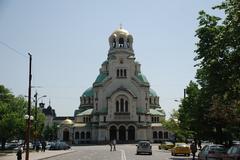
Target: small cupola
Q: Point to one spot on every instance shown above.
(120, 39)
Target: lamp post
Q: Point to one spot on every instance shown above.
(35, 124)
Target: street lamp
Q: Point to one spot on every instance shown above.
(36, 102)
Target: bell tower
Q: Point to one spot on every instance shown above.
(120, 41)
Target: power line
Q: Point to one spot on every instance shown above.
(13, 49)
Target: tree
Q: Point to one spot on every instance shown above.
(172, 124)
(217, 103)
(11, 116)
(12, 122)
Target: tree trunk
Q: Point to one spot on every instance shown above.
(219, 135)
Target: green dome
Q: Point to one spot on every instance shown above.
(88, 92)
(152, 93)
(142, 78)
(100, 77)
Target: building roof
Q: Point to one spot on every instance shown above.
(100, 77)
(156, 125)
(142, 78)
(88, 92)
(156, 112)
(152, 93)
(86, 112)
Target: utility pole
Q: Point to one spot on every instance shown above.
(29, 106)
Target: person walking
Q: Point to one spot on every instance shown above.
(193, 148)
(43, 146)
(19, 153)
(114, 145)
(110, 144)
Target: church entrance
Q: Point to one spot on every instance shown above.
(131, 133)
(65, 135)
(113, 133)
(122, 133)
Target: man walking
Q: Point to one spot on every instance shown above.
(193, 148)
(114, 145)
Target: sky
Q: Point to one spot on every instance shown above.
(68, 40)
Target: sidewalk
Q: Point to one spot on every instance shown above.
(37, 155)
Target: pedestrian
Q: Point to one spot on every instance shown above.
(193, 148)
(199, 144)
(43, 146)
(110, 144)
(19, 153)
(114, 145)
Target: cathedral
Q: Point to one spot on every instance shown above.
(120, 103)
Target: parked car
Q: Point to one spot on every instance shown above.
(144, 147)
(59, 146)
(212, 151)
(233, 153)
(166, 145)
(10, 146)
(181, 148)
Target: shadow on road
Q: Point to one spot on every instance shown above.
(180, 158)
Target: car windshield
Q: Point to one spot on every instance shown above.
(218, 149)
(181, 145)
(144, 144)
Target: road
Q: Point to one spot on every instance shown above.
(124, 152)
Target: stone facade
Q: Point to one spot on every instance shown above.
(120, 104)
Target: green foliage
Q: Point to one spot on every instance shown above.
(12, 122)
(172, 124)
(212, 108)
(50, 132)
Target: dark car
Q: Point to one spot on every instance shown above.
(233, 153)
(144, 147)
(59, 146)
(212, 151)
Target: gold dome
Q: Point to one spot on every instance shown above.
(67, 122)
(120, 31)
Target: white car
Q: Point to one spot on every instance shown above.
(144, 147)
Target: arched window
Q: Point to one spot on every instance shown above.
(152, 119)
(82, 135)
(126, 106)
(114, 43)
(122, 105)
(139, 118)
(121, 42)
(84, 119)
(157, 119)
(88, 135)
(117, 106)
(125, 73)
(117, 72)
(121, 72)
(160, 135)
(76, 135)
(154, 134)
